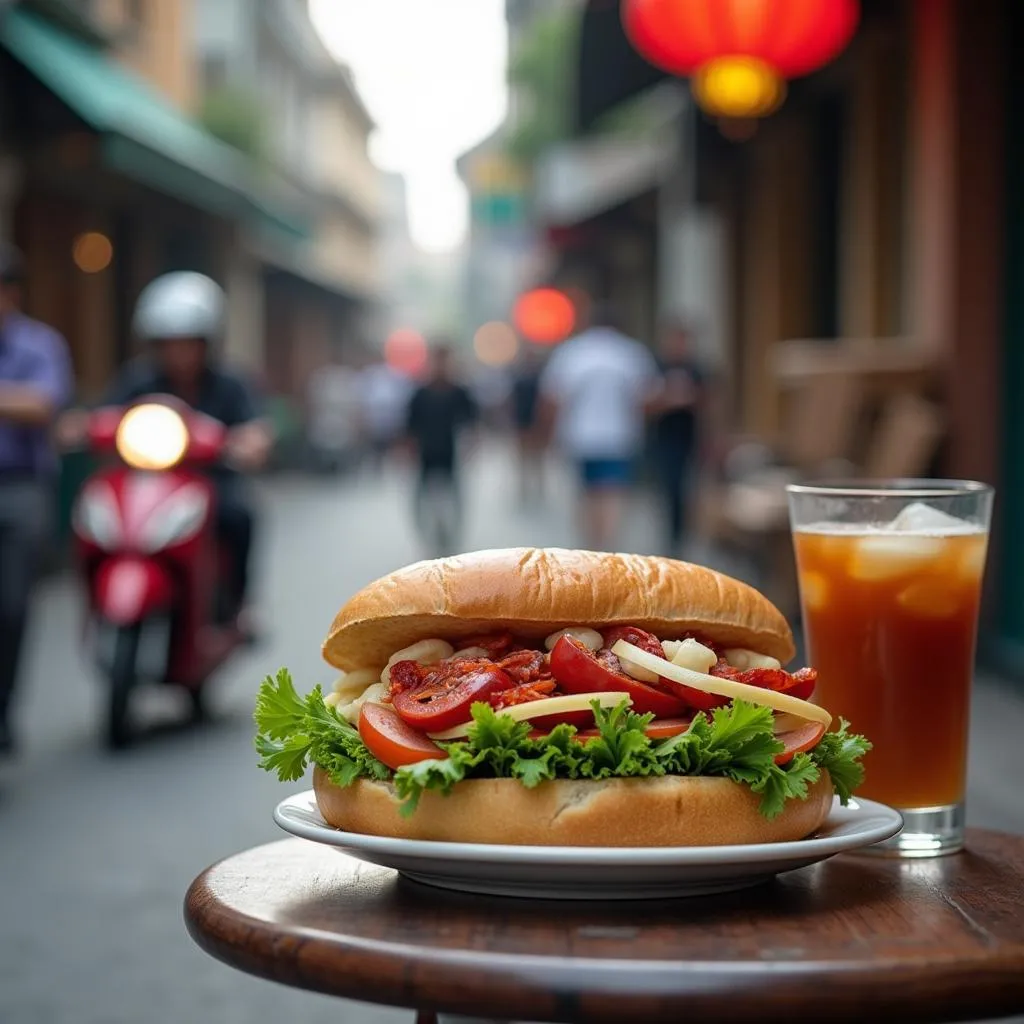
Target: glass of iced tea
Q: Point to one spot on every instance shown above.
(890, 583)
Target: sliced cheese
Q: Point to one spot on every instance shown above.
(724, 687)
(545, 706)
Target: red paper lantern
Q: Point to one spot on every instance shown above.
(544, 315)
(738, 53)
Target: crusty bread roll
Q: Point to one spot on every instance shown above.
(534, 591)
(666, 811)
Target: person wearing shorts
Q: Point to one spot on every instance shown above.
(606, 473)
(595, 389)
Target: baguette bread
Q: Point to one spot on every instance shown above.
(535, 591)
(665, 811)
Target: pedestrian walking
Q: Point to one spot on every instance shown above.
(35, 383)
(594, 389)
(525, 420)
(441, 411)
(676, 409)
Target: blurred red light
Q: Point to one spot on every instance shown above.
(544, 315)
(795, 37)
(737, 55)
(405, 350)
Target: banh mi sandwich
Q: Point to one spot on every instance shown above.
(554, 697)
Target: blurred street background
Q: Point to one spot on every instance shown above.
(428, 222)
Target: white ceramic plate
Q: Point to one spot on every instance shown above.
(581, 872)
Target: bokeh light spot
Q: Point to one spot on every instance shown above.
(495, 343)
(92, 252)
(405, 350)
(544, 315)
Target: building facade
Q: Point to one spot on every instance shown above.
(107, 180)
(320, 295)
(153, 38)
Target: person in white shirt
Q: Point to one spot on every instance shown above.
(595, 389)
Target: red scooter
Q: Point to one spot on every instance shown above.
(156, 577)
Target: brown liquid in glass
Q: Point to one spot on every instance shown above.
(891, 623)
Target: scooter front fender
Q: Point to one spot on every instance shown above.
(129, 589)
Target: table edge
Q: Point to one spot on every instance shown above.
(538, 988)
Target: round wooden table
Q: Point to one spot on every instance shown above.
(853, 939)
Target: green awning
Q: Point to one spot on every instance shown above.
(143, 136)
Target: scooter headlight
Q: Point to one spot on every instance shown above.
(152, 437)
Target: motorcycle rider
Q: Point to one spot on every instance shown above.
(180, 317)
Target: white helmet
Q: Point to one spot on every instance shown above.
(180, 305)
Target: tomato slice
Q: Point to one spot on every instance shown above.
(693, 698)
(803, 737)
(579, 671)
(648, 642)
(444, 696)
(580, 719)
(664, 728)
(391, 740)
(659, 729)
(803, 683)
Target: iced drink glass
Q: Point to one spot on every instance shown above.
(890, 583)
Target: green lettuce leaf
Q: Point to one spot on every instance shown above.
(622, 749)
(282, 740)
(293, 733)
(415, 779)
(839, 753)
(776, 784)
(500, 747)
(735, 742)
(739, 735)
(739, 743)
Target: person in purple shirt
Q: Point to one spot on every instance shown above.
(35, 382)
